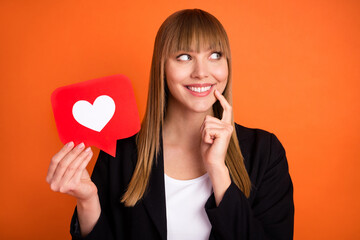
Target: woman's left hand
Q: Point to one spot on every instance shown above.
(216, 135)
(215, 138)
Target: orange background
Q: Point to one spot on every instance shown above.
(296, 73)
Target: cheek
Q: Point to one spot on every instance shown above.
(221, 71)
(221, 74)
(173, 74)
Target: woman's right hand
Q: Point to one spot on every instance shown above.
(67, 172)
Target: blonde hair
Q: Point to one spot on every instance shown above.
(180, 31)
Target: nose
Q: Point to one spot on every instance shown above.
(200, 70)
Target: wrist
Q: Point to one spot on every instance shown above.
(88, 203)
(88, 211)
(217, 168)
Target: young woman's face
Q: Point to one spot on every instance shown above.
(192, 78)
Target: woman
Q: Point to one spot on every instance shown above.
(183, 176)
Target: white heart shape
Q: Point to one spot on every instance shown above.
(94, 116)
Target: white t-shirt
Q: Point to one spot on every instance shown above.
(185, 208)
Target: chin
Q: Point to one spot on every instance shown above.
(202, 107)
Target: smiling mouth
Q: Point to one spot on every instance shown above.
(199, 89)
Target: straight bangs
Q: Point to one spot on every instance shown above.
(194, 31)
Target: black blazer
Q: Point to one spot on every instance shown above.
(267, 214)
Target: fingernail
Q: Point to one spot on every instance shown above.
(88, 149)
(70, 144)
(81, 145)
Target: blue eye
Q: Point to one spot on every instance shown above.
(215, 55)
(183, 57)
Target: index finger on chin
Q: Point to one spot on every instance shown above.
(227, 114)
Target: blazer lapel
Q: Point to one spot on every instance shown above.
(154, 199)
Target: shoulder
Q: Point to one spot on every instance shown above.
(112, 174)
(254, 137)
(126, 151)
(125, 158)
(262, 151)
(126, 146)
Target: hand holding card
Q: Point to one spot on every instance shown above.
(96, 112)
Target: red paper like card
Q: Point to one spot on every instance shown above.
(96, 112)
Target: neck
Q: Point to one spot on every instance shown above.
(182, 126)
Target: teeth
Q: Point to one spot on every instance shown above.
(199, 89)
